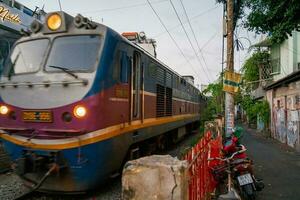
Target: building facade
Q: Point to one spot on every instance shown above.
(283, 91)
(14, 17)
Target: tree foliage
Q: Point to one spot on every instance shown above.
(275, 17)
(251, 66)
(215, 101)
(279, 18)
(256, 108)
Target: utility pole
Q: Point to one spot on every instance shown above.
(223, 52)
(229, 99)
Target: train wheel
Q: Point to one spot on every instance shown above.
(162, 142)
(148, 148)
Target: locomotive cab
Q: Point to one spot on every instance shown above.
(53, 66)
(45, 89)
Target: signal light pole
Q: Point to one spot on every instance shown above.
(229, 98)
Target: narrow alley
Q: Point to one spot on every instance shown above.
(277, 164)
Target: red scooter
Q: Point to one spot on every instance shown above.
(237, 168)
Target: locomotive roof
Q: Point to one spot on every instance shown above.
(150, 55)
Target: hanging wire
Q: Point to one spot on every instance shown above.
(195, 38)
(172, 38)
(189, 40)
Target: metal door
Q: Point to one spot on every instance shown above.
(136, 85)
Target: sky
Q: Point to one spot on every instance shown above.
(200, 58)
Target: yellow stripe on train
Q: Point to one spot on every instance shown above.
(93, 137)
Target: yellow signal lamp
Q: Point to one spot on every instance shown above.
(80, 111)
(54, 22)
(4, 110)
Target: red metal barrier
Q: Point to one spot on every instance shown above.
(201, 182)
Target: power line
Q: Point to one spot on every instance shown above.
(188, 39)
(174, 41)
(184, 22)
(193, 32)
(123, 7)
(209, 40)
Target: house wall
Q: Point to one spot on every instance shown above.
(289, 56)
(285, 114)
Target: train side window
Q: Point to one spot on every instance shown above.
(125, 63)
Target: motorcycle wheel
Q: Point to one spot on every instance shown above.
(247, 192)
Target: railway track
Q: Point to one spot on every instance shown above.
(109, 191)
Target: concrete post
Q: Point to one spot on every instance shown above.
(155, 177)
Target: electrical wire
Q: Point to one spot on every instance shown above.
(190, 42)
(172, 38)
(194, 35)
(184, 22)
(123, 7)
(209, 40)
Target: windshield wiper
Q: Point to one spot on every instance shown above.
(12, 68)
(64, 70)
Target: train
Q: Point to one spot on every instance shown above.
(78, 99)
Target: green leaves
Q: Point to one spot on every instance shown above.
(263, 110)
(215, 101)
(251, 69)
(251, 74)
(278, 18)
(256, 108)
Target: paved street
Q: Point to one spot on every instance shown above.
(278, 165)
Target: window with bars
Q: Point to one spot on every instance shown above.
(275, 66)
(275, 59)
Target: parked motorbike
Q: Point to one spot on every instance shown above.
(237, 170)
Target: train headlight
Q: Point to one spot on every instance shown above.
(54, 22)
(4, 110)
(80, 111)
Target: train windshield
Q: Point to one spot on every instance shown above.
(26, 57)
(74, 53)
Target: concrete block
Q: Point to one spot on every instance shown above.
(156, 177)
